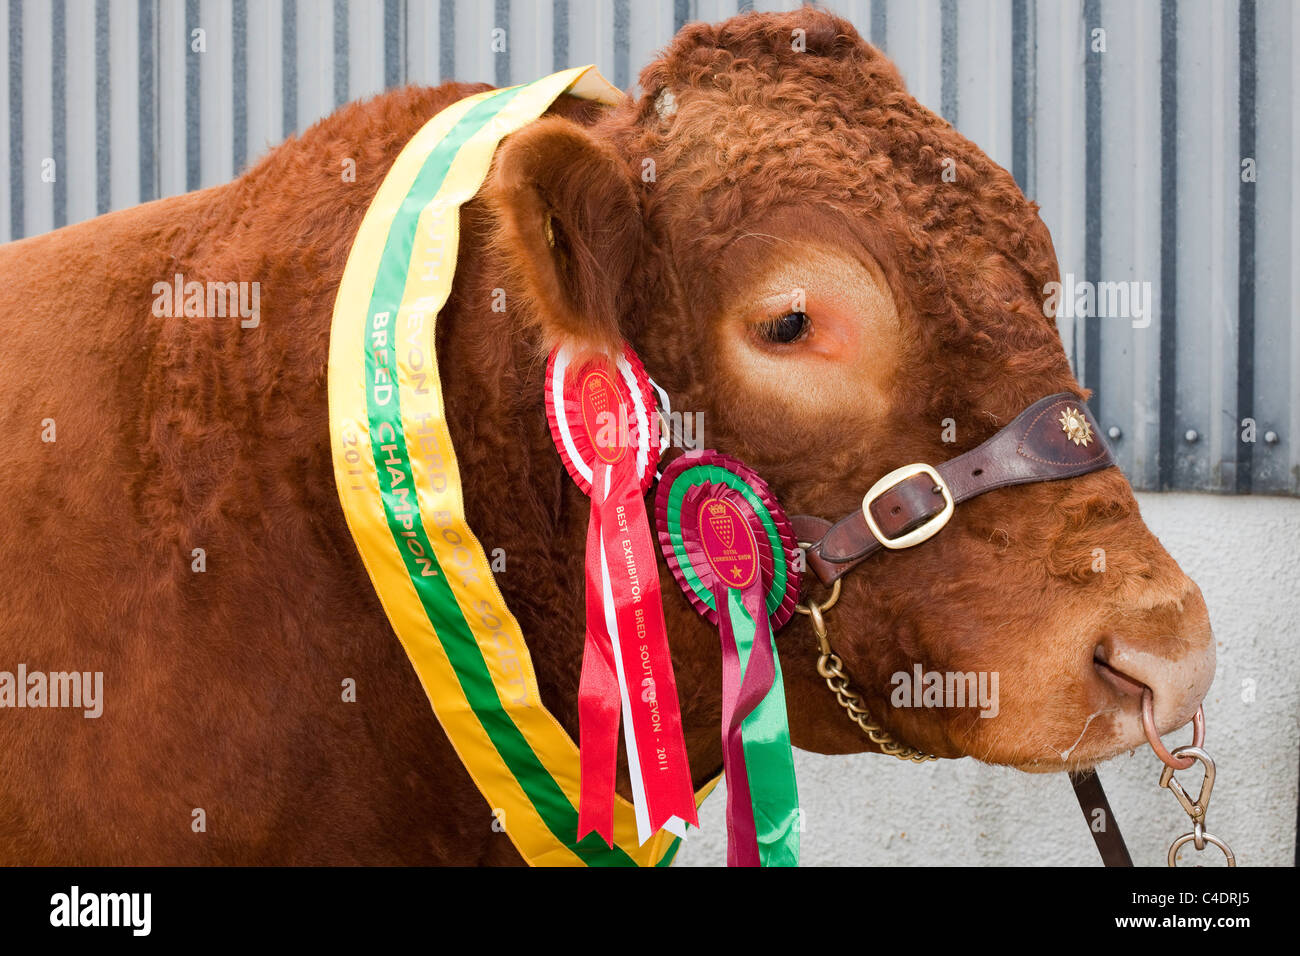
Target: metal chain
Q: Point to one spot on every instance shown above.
(830, 667)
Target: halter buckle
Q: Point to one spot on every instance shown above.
(926, 531)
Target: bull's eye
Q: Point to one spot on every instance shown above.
(786, 329)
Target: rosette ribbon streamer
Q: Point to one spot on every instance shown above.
(732, 551)
(601, 417)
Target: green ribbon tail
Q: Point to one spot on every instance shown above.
(768, 757)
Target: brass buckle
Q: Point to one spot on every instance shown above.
(928, 530)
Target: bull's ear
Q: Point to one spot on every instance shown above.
(569, 226)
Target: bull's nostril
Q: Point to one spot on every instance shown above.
(1115, 678)
(1163, 642)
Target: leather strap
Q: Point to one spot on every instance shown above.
(1054, 438)
(1110, 842)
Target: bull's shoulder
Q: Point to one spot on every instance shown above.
(345, 156)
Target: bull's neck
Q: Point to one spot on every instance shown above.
(260, 391)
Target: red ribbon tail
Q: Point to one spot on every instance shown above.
(599, 705)
(647, 658)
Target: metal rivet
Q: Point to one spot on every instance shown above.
(1114, 433)
(1191, 435)
(1271, 437)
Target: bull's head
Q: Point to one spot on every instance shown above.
(843, 284)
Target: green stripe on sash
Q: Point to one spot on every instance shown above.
(401, 509)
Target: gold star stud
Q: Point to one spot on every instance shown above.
(1075, 426)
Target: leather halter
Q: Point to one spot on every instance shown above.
(1054, 438)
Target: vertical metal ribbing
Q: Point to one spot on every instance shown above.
(447, 40)
(1023, 76)
(681, 14)
(16, 119)
(193, 101)
(148, 103)
(289, 66)
(394, 43)
(59, 108)
(1092, 201)
(1168, 240)
(501, 60)
(239, 84)
(622, 25)
(1245, 239)
(340, 52)
(103, 111)
(879, 24)
(559, 35)
(948, 60)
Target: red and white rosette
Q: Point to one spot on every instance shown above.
(604, 425)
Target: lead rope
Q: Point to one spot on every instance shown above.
(1087, 785)
(1100, 818)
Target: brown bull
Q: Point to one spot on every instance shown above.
(683, 222)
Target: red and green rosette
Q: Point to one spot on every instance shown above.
(604, 424)
(732, 551)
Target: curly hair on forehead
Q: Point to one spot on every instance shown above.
(763, 113)
(699, 47)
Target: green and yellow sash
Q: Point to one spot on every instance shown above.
(401, 492)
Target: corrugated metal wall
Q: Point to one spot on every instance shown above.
(1161, 139)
